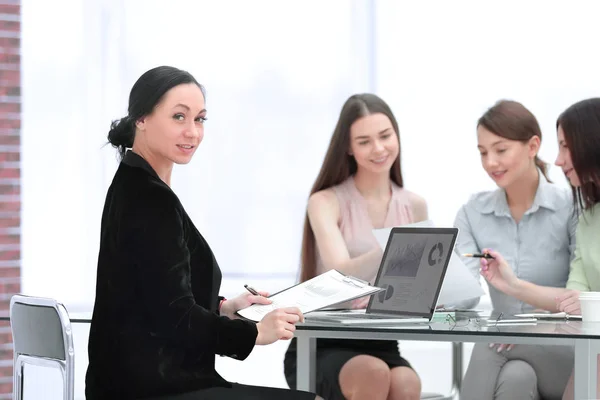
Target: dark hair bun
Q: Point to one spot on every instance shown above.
(121, 134)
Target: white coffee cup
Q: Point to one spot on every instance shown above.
(590, 306)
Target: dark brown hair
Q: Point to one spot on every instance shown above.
(339, 165)
(581, 126)
(511, 120)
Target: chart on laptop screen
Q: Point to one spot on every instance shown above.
(412, 270)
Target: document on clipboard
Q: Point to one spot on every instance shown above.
(322, 291)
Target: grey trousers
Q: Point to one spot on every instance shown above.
(525, 372)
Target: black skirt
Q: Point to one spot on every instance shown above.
(332, 354)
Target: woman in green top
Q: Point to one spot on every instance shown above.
(579, 157)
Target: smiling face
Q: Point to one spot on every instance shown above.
(175, 128)
(374, 143)
(505, 160)
(564, 159)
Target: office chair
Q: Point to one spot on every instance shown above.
(42, 336)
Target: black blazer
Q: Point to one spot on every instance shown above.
(155, 328)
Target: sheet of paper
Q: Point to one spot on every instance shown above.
(458, 285)
(383, 234)
(322, 291)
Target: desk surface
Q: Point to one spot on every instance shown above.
(467, 326)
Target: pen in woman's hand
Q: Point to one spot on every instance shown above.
(485, 255)
(252, 290)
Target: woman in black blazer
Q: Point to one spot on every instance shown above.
(158, 321)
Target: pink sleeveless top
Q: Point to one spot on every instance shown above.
(355, 223)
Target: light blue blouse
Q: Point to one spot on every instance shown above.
(539, 248)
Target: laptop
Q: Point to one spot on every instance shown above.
(411, 271)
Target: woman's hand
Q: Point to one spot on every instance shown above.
(278, 324)
(568, 302)
(360, 303)
(231, 306)
(507, 347)
(498, 273)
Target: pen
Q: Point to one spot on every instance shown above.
(486, 256)
(251, 290)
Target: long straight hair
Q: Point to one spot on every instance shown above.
(339, 166)
(581, 126)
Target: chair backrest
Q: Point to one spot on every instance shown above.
(42, 335)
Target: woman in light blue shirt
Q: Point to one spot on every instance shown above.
(531, 222)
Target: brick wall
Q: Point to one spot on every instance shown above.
(10, 177)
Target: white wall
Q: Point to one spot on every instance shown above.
(442, 64)
(276, 77)
(277, 74)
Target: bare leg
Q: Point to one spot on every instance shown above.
(365, 377)
(570, 389)
(405, 384)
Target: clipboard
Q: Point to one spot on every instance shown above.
(322, 291)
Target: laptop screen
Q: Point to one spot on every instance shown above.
(412, 270)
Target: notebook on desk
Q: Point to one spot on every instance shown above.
(411, 273)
